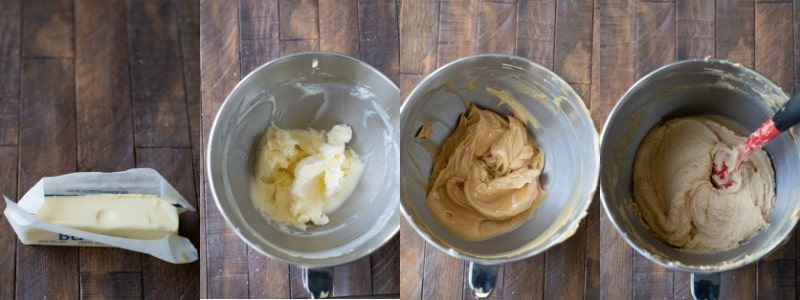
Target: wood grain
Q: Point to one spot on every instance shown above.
(294, 18)
(536, 31)
(524, 278)
(379, 36)
(338, 26)
(116, 285)
(655, 47)
(259, 33)
(385, 264)
(10, 45)
(739, 284)
(696, 29)
(188, 18)
(458, 29)
(162, 280)
(497, 27)
(774, 56)
(47, 148)
(419, 35)
(48, 28)
(573, 44)
(353, 279)
(655, 36)
(268, 277)
(776, 279)
(8, 240)
(412, 262)
(226, 268)
(735, 31)
(444, 276)
(156, 68)
(617, 72)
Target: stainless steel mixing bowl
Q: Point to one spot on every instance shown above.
(561, 126)
(311, 90)
(686, 88)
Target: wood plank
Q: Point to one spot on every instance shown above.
(739, 284)
(47, 148)
(188, 14)
(158, 94)
(776, 279)
(259, 31)
(353, 279)
(696, 30)
(412, 262)
(8, 239)
(162, 280)
(735, 26)
(774, 56)
(116, 285)
(592, 266)
(573, 41)
(48, 28)
(379, 38)
(259, 43)
(536, 31)
(268, 278)
(225, 254)
(338, 26)
(650, 281)
(655, 36)
(458, 30)
(385, 265)
(10, 45)
(524, 279)
(294, 46)
(443, 277)
(294, 18)
(407, 83)
(616, 56)
(681, 285)
(655, 47)
(497, 27)
(564, 268)
(419, 24)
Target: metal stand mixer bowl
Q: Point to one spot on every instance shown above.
(696, 87)
(562, 128)
(311, 90)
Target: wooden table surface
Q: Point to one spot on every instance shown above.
(235, 38)
(95, 85)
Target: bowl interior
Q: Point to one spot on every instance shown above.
(557, 119)
(317, 91)
(693, 88)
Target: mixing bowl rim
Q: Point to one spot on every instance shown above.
(592, 178)
(211, 165)
(604, 194)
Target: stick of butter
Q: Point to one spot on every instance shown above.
(133, 216)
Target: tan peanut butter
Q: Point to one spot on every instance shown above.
(485, 179)
(674, 196)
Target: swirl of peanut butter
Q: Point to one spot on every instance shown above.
(485, 179)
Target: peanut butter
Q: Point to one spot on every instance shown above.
(485, 179)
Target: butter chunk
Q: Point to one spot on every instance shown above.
(133, 216)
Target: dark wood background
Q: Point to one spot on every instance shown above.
(95, 85)
(235, 38)
(600, 47)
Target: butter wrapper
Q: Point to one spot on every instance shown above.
(34, 231)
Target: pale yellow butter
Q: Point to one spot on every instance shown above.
(130, 216)
(301, 175)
